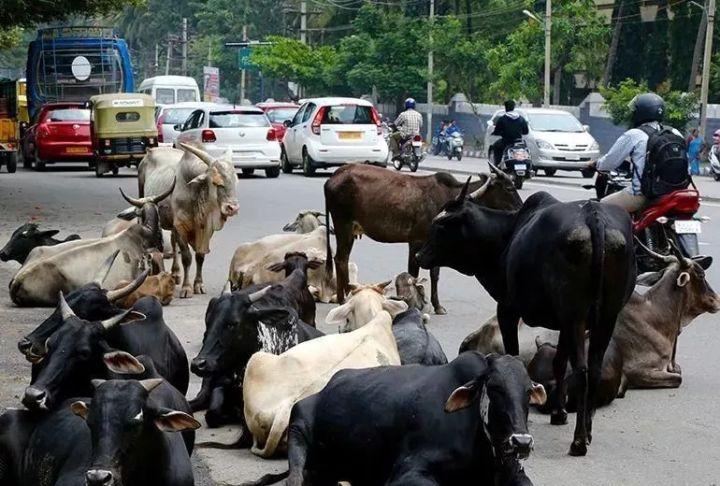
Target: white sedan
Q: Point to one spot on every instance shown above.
(243, 130)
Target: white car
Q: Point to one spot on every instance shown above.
(244, 130)
(169, 116)
(557, 140)
(329, 132)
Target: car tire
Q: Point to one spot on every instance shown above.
(39, 163)
(272, 172)
(308, 169)
(549, 172)
(247, 172)
(287, 168)
(115, 170)
(587, 173)
(12, 162)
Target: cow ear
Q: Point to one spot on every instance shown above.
(537, 394)
(277, 267)
(462, 397)
(80, 409)
(176, 421)
(648, 279)
(198, 180)
(382, 286)
(274, 315)
(421, 281)
(123, 363)
(49, 233)
(315, 263)
(216, 177)
(703, 260)
(683, 279)
(395, 307)
(128, 214)
(338, 316)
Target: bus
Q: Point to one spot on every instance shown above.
(75, 63)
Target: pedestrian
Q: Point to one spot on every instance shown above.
(691, 136)
(695, 147)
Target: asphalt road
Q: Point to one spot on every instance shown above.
(661, 437)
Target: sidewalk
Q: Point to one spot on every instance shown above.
(708, 187)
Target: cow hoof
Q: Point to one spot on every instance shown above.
(186, 292)
(558, 417)
(578, 448)
(440, 310)
(199, 288)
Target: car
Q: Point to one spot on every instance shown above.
(170, 115)
(330, 132)
(278, 113)
(61, 133)
(244, 130)
(557, 140)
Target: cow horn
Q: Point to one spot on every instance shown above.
(112, 321)
(658, 256)
(493, 168)
(201, 154)
(151, 383)
(138, 203)
(160, 197)
(678, 254)
(104, 269)
(65, 311)
(255, 296)
(116, 294)
(477, 194)
(227, 289)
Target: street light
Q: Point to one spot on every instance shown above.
(547, 24)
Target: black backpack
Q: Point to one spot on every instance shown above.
(666, 163)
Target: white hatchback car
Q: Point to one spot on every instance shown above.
(244, 130)
(169, 116)
(329, 132)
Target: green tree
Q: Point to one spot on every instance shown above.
(28, 13)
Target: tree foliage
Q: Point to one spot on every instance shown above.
(28, 13)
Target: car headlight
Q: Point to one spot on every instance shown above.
(544, 145)
(594, 146)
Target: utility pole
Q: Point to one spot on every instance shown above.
(157, 58)
(697, 52)
(169, 56)
(430, 75)
(184, 47)
(710, 13)
(548, 28)
(303, 21)
(242, 74)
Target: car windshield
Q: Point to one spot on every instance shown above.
(237, 119)
(348, 115)
(174, 116)
(279, 115)
(165, 96)
(70, 114)
(186, 95)
(545, 122)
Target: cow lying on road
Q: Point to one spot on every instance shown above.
(305, 222)
(364, 303)
(411, 290)
(160, 286)
(27, 237)
(416, 345)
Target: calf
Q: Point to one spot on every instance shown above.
(27, 237)
(365, 302)
(411, 290)
(124, 434)
(468, 426)
(274, 383)
(565, 266)
(416, 345)
(160, 286)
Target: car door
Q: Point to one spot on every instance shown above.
(290, 141)
(190, 130)
(303, 130)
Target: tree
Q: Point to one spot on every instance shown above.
(25, 13)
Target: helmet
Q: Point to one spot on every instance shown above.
(409, 103)
(647, 107)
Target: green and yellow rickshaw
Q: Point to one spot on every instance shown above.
(13, 121)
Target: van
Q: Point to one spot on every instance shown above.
(168, 90)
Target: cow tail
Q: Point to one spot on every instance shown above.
(596, 222)
(328, 249)
(268, 479)
(278, 429)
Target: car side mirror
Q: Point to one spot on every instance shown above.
(287, 123)
(87, 105)
(586, 128)
(177, 127)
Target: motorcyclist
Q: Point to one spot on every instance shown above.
(648, 110)
(451, 128)
(408, 123)
(439, 137)
(510, 128)
(714, 155)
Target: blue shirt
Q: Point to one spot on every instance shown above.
(632, 144)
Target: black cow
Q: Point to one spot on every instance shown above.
(27, 237)
(416, 345)
(80, 350)
(372, 427)
(128, 439)
(565, 266)
(16, 427)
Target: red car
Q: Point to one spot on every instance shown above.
(278, 112)
(61, 133)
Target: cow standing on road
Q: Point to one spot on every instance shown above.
(393, 207)
(565, 266)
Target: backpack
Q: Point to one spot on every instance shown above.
(666, 163)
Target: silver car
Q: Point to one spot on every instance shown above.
(557, 140)
(168, 116)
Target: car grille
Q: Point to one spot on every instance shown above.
(571, 148)
(565, 159)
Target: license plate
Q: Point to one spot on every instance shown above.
(686, 226)
(572, 157)
(350, 135)
(417, 144)
(519, 167)
(76, 150)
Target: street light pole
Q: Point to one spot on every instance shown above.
(710, 13)
(430, 76)
(548, 27)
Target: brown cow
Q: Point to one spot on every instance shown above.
(394, 207)
(161, 286)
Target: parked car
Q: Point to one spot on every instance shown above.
(168, 116)
(557, 140)
(167, 90)
(61, 133)
(244, 130)
(329, 132)
(278, 113)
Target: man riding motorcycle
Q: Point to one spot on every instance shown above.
(510, 128)
(408, 123)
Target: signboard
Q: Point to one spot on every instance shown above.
(244, 59)
(211, 83)
(127, 103)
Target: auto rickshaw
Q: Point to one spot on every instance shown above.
(13, 121)
(122, 127)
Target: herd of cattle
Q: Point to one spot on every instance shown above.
(375, 403)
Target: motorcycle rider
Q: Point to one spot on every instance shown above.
(510, 128)
(408, 123)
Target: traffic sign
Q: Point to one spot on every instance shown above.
(244, 59)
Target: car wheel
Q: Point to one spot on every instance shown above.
(308, 169)
(39, 163)
(549, 172)
(587, 173)
(248, 172)
(12, 162)
(285, 162)
(115, 170)
(272, 172)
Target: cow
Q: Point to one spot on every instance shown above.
(16, 427)
(203, 199)
(160, 286)
(124, 433)
(411, 290)
(365, 302)
(37, 283)
(416, 345)
(305, 222)
(27, 237)
(468, 426)
(274, 383)
(117, 225)
(393, 207)
(250, 262)
(565, 266)
(80, 351)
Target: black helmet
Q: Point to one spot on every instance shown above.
(647, 107)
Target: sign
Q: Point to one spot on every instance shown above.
(211, 83)
(127, 103)
(81, 68)
(244, 59)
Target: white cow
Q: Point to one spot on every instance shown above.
(274, 383)
(365, 302)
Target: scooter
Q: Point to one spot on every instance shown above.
(714, 164)
(411, 152)
(516, 162)
(454, 146)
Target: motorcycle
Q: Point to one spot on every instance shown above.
(454, 146)
(517, 163)
(411, 152)
(669, 221)
(714, 164)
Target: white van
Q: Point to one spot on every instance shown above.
(168, 90)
